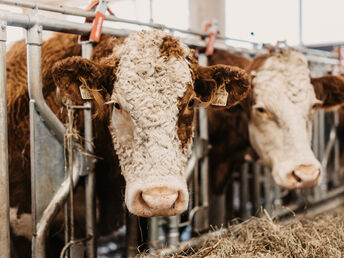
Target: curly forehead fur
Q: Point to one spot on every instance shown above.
(286, 72)
(149, 85)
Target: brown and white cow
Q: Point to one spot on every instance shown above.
(275, 120)
(145, 88)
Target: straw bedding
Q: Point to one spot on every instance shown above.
(321, 236)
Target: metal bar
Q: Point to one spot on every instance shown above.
(28, 20)
(5, 242)
(337, 174)
(50, 212)
(323, 183)
(256, 187)
(35, 93)
(244, 191)
(83, 13)
(91, 249)
(33, 172)
(173, 233)
(153, 234)
(267, 192)
(300, 23)
(132, 235)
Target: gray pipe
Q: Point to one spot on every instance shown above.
(4, 179)
(91, 249)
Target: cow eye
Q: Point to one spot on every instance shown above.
(261, 110)
(191, 103)
(117, 106)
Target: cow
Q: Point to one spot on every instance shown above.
(274, 123)
(145, 88)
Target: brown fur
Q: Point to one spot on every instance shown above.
(228, 58)
(170, 47)
(209, 79)
(185, 117)
(329, 89)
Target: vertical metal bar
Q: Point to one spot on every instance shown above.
(4, 178)
(173, 233)
(315, 146)
(153, 234)
(300, 23)
(203, 136)
(256, 187)
(91, 248)
(244, 191)
(132, 235)
(277, 203)
(34, 55)
(161, 231)
(267, 192)
(33, 118)
(323, 184)
(336, 172)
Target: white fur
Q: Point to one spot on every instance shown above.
(282, 137)
(148, 88)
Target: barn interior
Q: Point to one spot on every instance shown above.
(251, 216)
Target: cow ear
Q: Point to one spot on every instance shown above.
(80, 79)
(221, 86)
(330, 90)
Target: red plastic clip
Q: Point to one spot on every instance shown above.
(97, 21)
(211, 27)
(97, 27)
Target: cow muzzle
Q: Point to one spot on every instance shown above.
(163, 199)
(304, 176)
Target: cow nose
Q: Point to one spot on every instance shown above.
(304, 176)
(160, 198)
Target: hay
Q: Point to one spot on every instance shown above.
(321, 236)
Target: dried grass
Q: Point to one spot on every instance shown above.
(321, 236)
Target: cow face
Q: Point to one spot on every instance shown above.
(280, 129)
(152, 82)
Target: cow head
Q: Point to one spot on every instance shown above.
(283, 100)
(153, 82)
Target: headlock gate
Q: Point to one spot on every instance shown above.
(54, 171)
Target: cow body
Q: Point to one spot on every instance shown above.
(144, 89)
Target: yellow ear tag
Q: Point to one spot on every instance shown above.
(85, 94)
(221, 97)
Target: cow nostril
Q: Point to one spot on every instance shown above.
(159, 198)
(297, 178)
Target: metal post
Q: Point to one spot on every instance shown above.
(323, 184)
(153, 234)
(34, 42)
(91, 249)
(300, 23)
(267, 192)
(132, 235)
(38, 104)
(244, 191)
(202, 222)
(173, 233)
(256, 187)
(336, 172)
(5, 244)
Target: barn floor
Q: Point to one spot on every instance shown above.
(319, 236)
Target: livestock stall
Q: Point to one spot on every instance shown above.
(251, 188)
